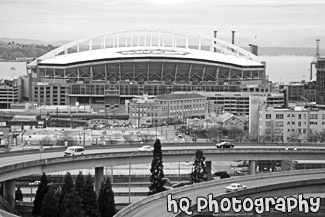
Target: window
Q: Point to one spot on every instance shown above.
(313, 123)
(279, 123)
(305, 116)
(323, 116)
(299, 116)
(313, 116)
(268, 123)
(299, 131)
(268, 116)
(304, 131)
(299, 123)
(279, 116)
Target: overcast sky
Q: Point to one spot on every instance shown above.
(270, 20)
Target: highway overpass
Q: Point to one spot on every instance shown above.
(14, 165)
(261, 185)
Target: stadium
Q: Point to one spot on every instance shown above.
(106, 69)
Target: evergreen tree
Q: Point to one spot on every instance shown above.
(66, 189)
(72, 205)
(50, 204)
(199, 173)
(90, 204)
(106, 201)
(80, 183)
(40, 193)
(157, 172)
(19, 194)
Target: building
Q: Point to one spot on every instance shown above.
(228, 121)
(237, 103)
(295, 91)
(107, 69)
(167, 108)
(10, 92)
(295, 124)
(320, 81)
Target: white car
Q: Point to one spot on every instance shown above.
(35, 183)
(235, 187)
(146, 148)
(74, 150)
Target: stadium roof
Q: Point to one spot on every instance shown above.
(147, 44)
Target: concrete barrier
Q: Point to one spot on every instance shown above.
(7, 214)
(184, 189)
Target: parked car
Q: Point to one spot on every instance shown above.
(225, 145)
(74, 150)
(235, 187)
(35, 183)
(146, 148)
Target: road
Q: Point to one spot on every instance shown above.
(9, 160)
(159, 207)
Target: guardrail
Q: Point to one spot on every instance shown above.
(183, 189)
(137, 145)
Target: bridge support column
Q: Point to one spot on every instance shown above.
(9, 191)
(252, 167)
(208, 167)
(99, 176)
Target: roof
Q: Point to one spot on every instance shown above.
(225, 116)
(147, 44)
(179, 96)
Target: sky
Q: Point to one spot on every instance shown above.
(267, 20)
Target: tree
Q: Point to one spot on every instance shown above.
(80, 183)
(157, 172)
(72, 205)
(19, 194)
(40, 194)
(199, 173)
(67, 189)
(90, 204)
(106, 201)
(65, 137)
(50, 204)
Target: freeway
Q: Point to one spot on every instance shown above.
(158, 206)
(26, 157)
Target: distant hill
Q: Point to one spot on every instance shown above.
(304, 43)
(288, 51)
(59, 43)
(22, 41)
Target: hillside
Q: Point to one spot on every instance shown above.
(11, 50)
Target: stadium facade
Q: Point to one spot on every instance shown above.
(109, 68)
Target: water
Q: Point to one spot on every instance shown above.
(278, 68)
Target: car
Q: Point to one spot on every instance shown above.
(225, 145)
(146, 148)
(35, 183)
(74, 150)
(235, 187)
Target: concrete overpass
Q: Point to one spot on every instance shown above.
(36, 163)
(261, 185)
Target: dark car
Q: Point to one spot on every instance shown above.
(225, 145)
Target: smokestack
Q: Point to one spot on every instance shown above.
(254, 49)
(215, 36)
(233, 37)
